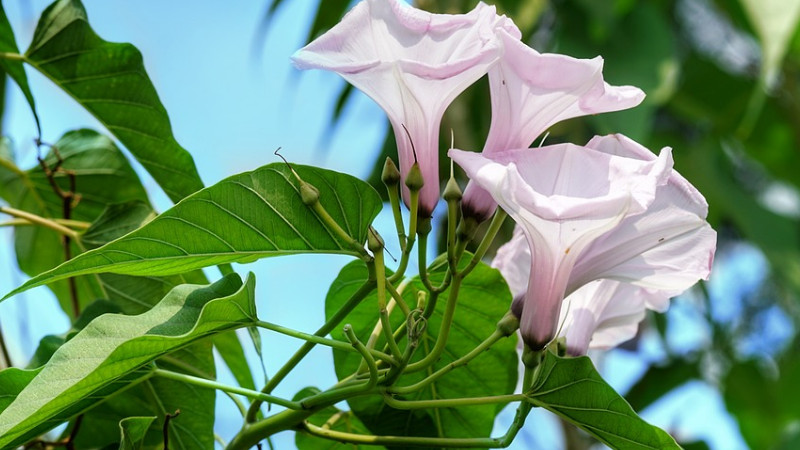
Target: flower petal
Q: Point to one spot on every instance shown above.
(531, 91)
(413, 64)
(669, 247)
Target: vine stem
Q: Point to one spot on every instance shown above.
(452, 402)
(352, 302)
(212, 384)
(77, 224)
(483, 346)
(38, 220)
(494, 227)
(338, 345)
(386, 324)
(444, 329)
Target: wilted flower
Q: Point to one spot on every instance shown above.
(530, 92)
(609, 210)
(413, 64)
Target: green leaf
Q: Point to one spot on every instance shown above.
(132, 431)
(102, 176)
(110, 81)
(336, 420)
(572, 388)
(107, 356)
(12, 64)
(775, 22)
(240, 219)
(135, 295)
(484, 299)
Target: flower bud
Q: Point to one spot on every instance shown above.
(390, 175)
(452, 191)
(308, 193)
(414, 179)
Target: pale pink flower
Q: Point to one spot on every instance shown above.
(531, 91)
(609, 210)
(413, 64)
(598, 315)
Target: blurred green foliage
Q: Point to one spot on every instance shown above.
(722, 79)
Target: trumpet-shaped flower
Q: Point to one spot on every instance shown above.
(413, 64)
(598, 315)
(531, 91)
(609, 210)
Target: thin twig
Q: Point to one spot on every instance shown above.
(69, 199)
(165, 430)
(6, 355)
(70, 444)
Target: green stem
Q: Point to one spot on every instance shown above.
(483, 346)
(333, 225)
(386, 324)
(12, 56)
(452, 402)
(422, 258)
(394, 201)
(444, 329)
(338, 345)
(494, 227)
(41, 221)
(225, 269)
(413, 441)
(398, 298)
(351, 303)
(336, 395)
(211, 384)
(412, 236)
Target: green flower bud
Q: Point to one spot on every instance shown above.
(391, 174)
(414, 179)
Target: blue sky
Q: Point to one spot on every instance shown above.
(231, 107)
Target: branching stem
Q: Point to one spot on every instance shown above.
(338, 345)
(212, 384)
(352, 302)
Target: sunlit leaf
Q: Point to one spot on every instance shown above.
(110, 81)
(108, 355)
(240, 219)
(572, 388)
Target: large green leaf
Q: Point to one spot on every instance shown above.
(134, 295)
(108, 355)
(484, 299)
(110, 81)
(102, 176)
(240, 219)
(572, 388)
(13, 65)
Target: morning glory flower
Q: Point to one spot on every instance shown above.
(413, 64)
(531, 91)
(599, 315)
(609, 210)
